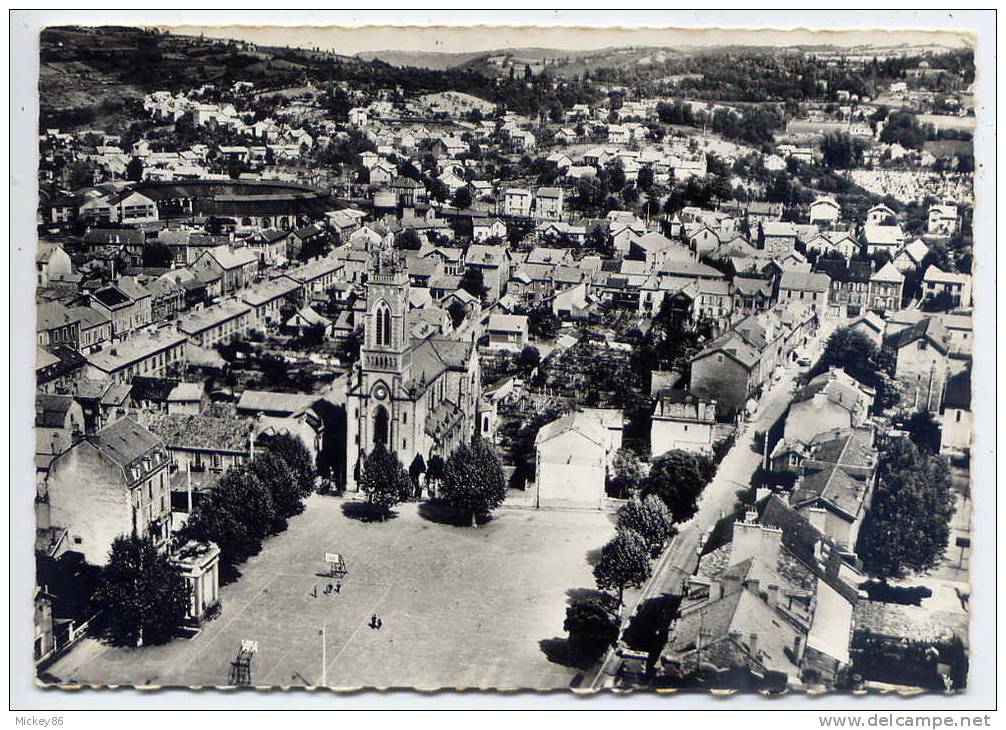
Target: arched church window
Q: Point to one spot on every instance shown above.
(382, 323)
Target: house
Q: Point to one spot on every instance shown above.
(94, 328)
(127, 304)
(494, 262)
(306, 318)
(850, 285)
(769, 605)
(59, 422)
(507, 332)
(485, 229)
(886, 286)
(872, 325)
(682, 421)
(572, 458)
(548, 203)
(51, 263)
(734, 366)
(212, 441)
(267, 298)
(942, 220)
(776, 238)
(187, 399)
(957, 287)
(318, 275)
(56, 326)
(656, 250)
(879, 237)
(831, 400)
(750, 295)
(236, 266)
(217, 324)
(702, 241)
(809, 288)
(956, 418)
(825, 211)
(408, 192)
(881, 215)
(124, 468)
(834, 243)
(911, 255)
(834, 500)
(921, 363)
(271, 245)
(145, 353)
(517, 202)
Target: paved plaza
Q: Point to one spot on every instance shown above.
(460, 606)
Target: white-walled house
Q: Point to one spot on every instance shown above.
(682, 421)
(573, 455)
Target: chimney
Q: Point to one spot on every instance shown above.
(817, 516)
(772, 595)
(797, 646)
(753, 645)
(752, 540)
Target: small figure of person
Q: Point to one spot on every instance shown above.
(338, 587)
(373, 621)
(380, 623)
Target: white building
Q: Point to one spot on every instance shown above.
(573, 455)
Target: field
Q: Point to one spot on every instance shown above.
(461, 606)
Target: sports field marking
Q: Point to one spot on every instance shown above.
(363, 623)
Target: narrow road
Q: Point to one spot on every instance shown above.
(681, 557)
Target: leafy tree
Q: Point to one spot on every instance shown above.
(626, 472)
(908, 525)
(457, 311)
(924, 432)
(591, 628)
(473, 281)
(141, 595)
(859, 356)
(274, 473)
(542, 323)
(157, 255)
(384, 480)
(529, 358)
(650, 518)
(293, 451)
(678, 478)
(841, 151)
(473, 482)
(409, 240)
(134, 170)
(625, 561)
(903, 128)
(644, 179)
(236, 514)
(462, 198)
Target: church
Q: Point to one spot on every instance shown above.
(416, 397)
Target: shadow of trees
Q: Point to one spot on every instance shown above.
(365, 512)
(442, 513)
(558, 651)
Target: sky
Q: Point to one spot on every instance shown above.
(460, 39)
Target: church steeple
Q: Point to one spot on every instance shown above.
(387, 331)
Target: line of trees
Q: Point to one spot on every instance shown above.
(668, 495)
(470, 481)
(142, 597)
(252, 501)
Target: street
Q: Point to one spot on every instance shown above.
(734, 474)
